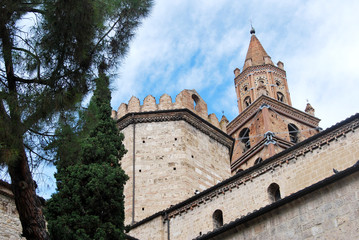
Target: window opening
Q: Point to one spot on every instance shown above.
(258, 160)
(274, 192)
(280, 96)
(247, 101)
(195, 101)
(217, 219)
(244, 138)
(293, 133)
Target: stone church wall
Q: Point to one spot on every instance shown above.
(329, 213)
(292, 171)
(172, 160)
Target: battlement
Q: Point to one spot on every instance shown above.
(188, 99)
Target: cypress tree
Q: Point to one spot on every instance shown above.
(89, 202)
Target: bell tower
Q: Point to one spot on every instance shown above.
(267, 123)
(260, 77)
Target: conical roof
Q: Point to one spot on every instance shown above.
(255, 52)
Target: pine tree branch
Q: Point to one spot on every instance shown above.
(37, 154)
(42, 134)
(35, 57)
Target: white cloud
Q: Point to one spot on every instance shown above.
(197, 44)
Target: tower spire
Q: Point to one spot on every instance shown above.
(252, 31)
(256, 55)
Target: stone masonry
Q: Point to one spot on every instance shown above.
(172, 154)
(292, 170)
(330, 213)
(10, 226)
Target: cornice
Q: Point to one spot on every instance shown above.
(279, 107)
(178, 115)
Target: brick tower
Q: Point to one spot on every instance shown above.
(267, 123)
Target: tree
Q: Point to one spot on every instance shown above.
(50, 50)
(89, 202)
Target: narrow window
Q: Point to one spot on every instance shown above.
(244, 139)
(217, 219)
(258, 160)
(247, 101)
(195, 101)
(274, 192)
(280, 96)
(293, 133)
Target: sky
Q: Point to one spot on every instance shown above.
(187, 44)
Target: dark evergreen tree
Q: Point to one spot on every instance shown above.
(89, 203)
(50, 50)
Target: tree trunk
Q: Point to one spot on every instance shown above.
(27, 203)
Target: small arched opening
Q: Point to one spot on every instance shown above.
(244, 139)
(258, 160)
(217, 219)
(293, 133)
(274, 192)
(195, 101)
(247, 101)
(280, 97)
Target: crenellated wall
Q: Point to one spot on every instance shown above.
(188, 99)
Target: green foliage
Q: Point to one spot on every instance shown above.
(89, 204)
(89, 199)
(50, 53)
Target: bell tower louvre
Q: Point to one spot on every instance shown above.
(267, 123)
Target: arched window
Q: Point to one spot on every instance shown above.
(244, 138)
(274, 192)
(217, 219)
(247, 101)
(195, 101)
(258, 160)
(280, 96)
(293, 133)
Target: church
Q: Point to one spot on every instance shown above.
(270, 173)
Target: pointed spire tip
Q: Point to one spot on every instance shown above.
(252, 30)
